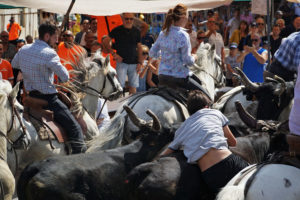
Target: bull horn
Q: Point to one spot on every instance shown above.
(279, 91)
(156, 123)
(248, 119)
(249, 84)
(133, 117)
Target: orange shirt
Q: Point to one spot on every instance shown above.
(14, 31)
(70, 55)
(6, 70)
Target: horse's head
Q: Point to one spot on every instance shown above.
(107, 82)
(10, 108)
(208, 68)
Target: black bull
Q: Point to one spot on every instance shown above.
(99, 175)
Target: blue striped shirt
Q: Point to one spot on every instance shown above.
(175, 48)
(288, 53)
(38, 63)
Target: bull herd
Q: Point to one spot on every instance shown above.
(134, 170)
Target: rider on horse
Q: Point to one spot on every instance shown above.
(175, 47)
(38, 62)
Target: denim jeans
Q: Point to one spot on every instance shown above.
(64, 117)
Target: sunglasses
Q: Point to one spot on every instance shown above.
(254, 40)
(128, 19)
(67, 35)
(145, 53)
(200, 38)
(260, 24)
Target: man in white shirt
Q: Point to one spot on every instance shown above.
(215, 38)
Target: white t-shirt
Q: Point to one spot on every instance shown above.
(217, 40)
(199, 133)
(193, 39)
(294, 122)
(104, 114)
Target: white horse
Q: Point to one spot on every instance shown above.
(91, 71)
(96, 78)
(7, 180)
(121, 129)
(272, 181)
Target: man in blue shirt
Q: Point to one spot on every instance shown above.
(38, 62)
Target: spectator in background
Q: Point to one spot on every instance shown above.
(231, 63)
(68, 51)
(247, 16)
(260, 21)
(95, 46)
(20, 43)
(9, 50)
(296, 7)
(215, 38)
(148, 40)
(210, 14)
(289, 29)
(232, 25)
(105, 52)
(239, 35)
(144, 69)
(6, 70)
(89, 39)
(80, 37)
(141, 25)
(280, 23)
(254, 58)
(288, 13)
(220, 22)
(128, 51)
(278, 15)
(201, 36)
(192, 34)
(275, 39)
(253, 31)
(29, 39)
(14, 30)
(93, 27)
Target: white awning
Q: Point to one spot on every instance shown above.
(111, 7)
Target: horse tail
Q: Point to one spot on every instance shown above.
(231, 192)
(110, 137)
(27, 174)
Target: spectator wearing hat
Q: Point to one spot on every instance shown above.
(14, 30)
(252, 31)
(254, 58)
(231, 63)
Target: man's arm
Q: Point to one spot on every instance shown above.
(262, 59)
(140, 57)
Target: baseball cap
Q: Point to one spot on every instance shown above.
(253, 24)
(233, 45)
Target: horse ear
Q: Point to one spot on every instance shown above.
(107, 61)
(213, 47)
(13, 94)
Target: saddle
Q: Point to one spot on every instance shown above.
(294, 144)
(43, 120)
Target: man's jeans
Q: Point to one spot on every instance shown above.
(64, 117)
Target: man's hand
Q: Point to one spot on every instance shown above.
(117, 58)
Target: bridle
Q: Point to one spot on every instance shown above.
(14, 113)
(12, 143)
